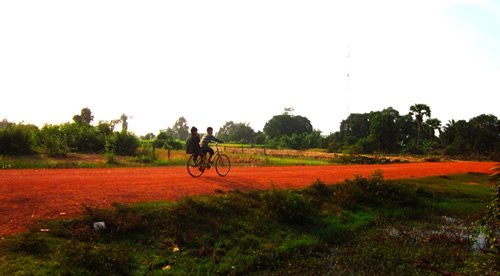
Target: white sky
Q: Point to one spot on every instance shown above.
(245, 61)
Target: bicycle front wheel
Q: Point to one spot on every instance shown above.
(222, 165)
(194, 168)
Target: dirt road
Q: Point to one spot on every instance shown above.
(27, 195)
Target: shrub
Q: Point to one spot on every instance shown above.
(83, 138)
(289, 206)
(52, 141)
(319, 194)
(126, 144)
(374, 190)
(17, 139)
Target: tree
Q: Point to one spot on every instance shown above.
(432, 125)
(286, 124)
(225, 131)
(149, 136)
(448, 134)
(355, 127)
(123, 120)
(4, 124)
(106, 128)
(313, 139)
(419, 111)
(456, 137)
(237, 132)
(85, 117)
(486, 134)
(163, 140)
(334, 142)
(384, 130)
(259, 138)
(407, 131)
(180, 129)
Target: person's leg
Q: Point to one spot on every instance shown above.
(203, 152)
(211, 152)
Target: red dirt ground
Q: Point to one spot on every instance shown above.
(27, 195)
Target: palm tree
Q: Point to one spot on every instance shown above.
(433, 124)
(419, 111)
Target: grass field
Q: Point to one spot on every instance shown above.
(240, 156)
(364, 226)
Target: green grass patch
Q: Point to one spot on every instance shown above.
(365, 226)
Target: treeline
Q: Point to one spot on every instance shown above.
(386, 131)
(78, 136)
(416, 132)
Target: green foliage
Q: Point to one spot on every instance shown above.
(384, 131)
(17, 139)
(4, 124)
(146, 155)
(52, 142)
(362, 159)
(387, 131)
(289, 207)
(419, 111)
(30, 242)
(490, 222)
(288, 125)
(85, 117)
(478, 136)
(237, 132)
(87, 258)
(298, 141)
(375, 191)
(110, 152)
(260, 138)
(82, 138)
(340, 229)
(166, 141)
(353, 128)
(125, 143)
(179, 130)
(59, 140)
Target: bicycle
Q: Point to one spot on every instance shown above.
(197, 167)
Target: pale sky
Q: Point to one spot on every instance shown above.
(245, 61)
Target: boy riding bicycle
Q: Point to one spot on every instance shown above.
(204, 147)
(193, 143)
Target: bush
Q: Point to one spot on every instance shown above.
(125, 144)
(52, 141)
(83, 138)
(375, 191)
(289, 206)
(17, 139)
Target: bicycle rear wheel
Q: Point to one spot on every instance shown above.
(194, 168)
(222, 165)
